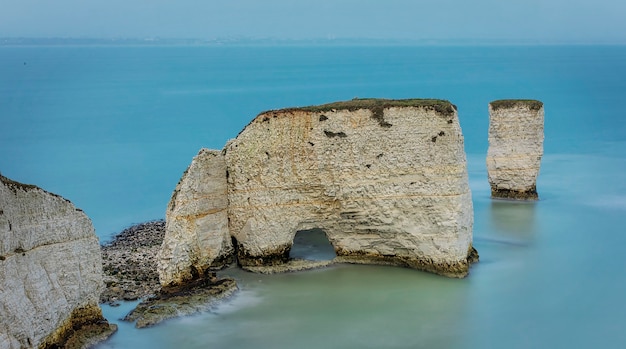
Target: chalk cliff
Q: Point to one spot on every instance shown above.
(196, 231)
(385, 179)
(515, 148)
(50, 271)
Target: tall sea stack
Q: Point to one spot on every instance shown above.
(50, 271)
(515, 148)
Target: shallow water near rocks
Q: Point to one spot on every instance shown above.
(113, 129)
(550, 275)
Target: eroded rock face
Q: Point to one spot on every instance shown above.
(515, 148)
(196, 231)
(386, 180)
(50, 270)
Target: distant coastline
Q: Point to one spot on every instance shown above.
(246, 41)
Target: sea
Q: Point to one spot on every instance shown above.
(112, 128)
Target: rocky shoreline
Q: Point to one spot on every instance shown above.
(130, 263)
(130, 273)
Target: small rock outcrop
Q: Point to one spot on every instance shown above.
(50, 271)
(385, 179)
(515, 148)
(193, 297)
(197, 236)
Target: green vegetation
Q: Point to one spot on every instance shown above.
(375, 105)
(13, 185)
(510, 103)
(441, 106)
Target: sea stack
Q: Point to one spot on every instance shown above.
(50, 271)
(385, 179)
(515, 148)
(197, 239)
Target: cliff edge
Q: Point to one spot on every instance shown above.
(50, 271)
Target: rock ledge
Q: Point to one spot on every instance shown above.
(194, 297)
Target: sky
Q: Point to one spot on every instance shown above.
(520, 20)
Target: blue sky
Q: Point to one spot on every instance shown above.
(528, 20)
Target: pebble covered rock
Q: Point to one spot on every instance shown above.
(130, 273)
(130, 264)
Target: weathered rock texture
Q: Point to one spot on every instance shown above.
(197, 236)
(50, 271)
(515, 148)
(385, 179)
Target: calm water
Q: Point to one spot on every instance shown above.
(113, 128)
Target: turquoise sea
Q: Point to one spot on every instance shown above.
(113, 128)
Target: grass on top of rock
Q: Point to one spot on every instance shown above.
(532, 104)
(14, 185)
(441, 106)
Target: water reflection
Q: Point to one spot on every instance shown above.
(513, 221)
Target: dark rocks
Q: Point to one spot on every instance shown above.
(193, 297)
(130, 264)
(530, 194)
(83, 329)
(130, 273)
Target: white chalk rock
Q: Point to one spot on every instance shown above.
(385, 179)
(197, 238)
(50, 268)
(515, 148)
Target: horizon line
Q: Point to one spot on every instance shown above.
(233, 40)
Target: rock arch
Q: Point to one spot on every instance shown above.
(312, 244)
(385, 179)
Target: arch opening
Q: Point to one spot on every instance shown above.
(312, 244)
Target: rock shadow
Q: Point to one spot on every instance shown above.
(312, 244)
